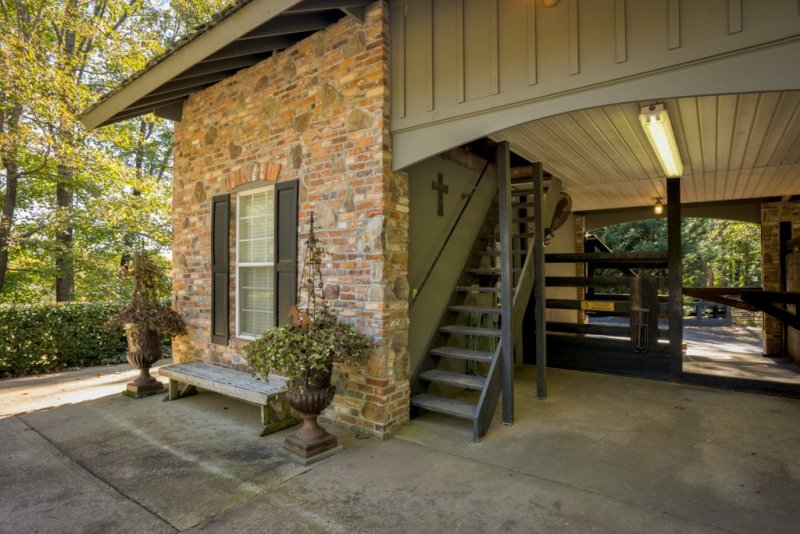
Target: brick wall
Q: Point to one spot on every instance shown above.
(317, 112)
(772, 213)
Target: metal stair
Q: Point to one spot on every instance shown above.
(467, 357)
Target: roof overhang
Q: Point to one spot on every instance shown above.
(244, 34)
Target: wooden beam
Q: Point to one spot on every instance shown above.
(172, 112)
(315, 6)
(503, 165)
(359, 12)
(284, 25)
(539, 285)
(675, 277)
(254, 46)
(222, 65)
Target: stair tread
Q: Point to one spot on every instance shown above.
(488, 270)
(454, 379)
(444, 405)
(475, 309)
(497, 252)
(477, 289)
(470, 330)
(463, 354)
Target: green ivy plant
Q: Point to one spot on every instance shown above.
(305, 350)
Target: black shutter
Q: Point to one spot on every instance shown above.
(285, 249)
(220, 268)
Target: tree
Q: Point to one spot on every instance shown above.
(716, 253)
(73, 201)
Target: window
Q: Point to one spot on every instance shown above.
(255, 262)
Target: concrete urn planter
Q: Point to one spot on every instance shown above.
(144, 349)
(309, 395)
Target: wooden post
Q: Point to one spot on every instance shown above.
(675, 277)
(503, 162)
(538, 286)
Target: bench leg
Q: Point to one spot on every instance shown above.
(178, 390)
(275, 416)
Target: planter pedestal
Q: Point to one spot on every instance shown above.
(144, 385)
(312, 442)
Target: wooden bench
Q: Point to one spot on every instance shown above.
(185, 378)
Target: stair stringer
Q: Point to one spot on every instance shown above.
(431, 303)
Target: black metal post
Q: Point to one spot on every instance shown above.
(674, 264)
(538, 285)
(503, 161)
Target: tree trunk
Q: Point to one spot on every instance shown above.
(65, 266)
(11, 167)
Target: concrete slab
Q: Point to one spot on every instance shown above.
(185, 460)
(43, 491)
(399, 487)
(37, 392)
(713, 457)
(603, 454)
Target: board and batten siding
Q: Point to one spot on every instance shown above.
(462, 69)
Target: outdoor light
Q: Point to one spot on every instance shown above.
(655, 122)
(658, 208)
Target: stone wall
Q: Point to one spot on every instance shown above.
(772, 213)
(317, 112)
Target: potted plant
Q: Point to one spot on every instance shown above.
(147, 322)
(305, 351)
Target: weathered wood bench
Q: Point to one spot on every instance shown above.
(185, 378)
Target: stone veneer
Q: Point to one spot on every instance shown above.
(317, 112)
(772, 213)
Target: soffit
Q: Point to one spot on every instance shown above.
(733, 147)
(238, 37)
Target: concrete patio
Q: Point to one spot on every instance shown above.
(602, 454)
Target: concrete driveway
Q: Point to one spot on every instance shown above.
(602, 454)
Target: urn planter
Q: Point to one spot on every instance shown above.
(311, 440)
(144, 349)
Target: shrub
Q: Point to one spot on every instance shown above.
(36, 338)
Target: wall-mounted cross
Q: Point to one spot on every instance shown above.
(442, 190)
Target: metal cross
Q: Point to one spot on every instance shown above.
(442, 190)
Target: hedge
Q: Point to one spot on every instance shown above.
(38, 338)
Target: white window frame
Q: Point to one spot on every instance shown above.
(237, 300)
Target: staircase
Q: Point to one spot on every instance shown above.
(464, 357)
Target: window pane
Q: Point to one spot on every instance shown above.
(256, 300)
(256, 219)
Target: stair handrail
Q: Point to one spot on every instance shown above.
(449, 235)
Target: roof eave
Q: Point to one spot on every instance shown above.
(234, 26)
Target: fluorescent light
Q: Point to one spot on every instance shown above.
(658, 129)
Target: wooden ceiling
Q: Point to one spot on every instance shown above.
(733, 147)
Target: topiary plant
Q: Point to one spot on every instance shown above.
(305, 350)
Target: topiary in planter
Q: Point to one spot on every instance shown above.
(305, 351)
(147, 322)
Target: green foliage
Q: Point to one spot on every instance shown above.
(57, 58)
(294, 351)
(145, 309)
(305, 351)
(716, 253)
(49, 337)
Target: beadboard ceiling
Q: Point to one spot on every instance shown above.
(733, 147)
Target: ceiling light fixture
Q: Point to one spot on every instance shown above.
(658, 208)
(658, 129)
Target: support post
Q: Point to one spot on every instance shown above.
(674, 264)
(538, 286)
(503, 162)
